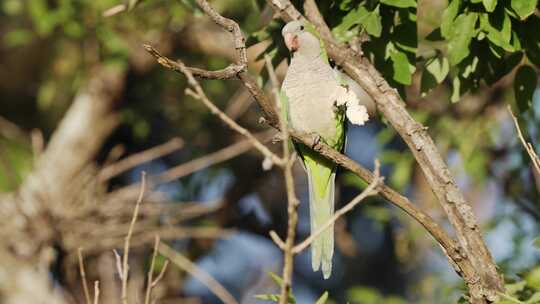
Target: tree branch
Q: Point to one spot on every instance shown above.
(134, 160)
(292, 200)
(199, 94)
(528, 147)
(191, 268)
(125, 266)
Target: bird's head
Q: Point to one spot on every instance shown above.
(298, 38)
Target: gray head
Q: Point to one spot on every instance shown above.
(299, 40)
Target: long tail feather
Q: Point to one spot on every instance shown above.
(321, 197)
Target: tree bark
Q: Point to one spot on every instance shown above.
(28, 216)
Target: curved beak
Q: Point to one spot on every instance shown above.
(291, 41)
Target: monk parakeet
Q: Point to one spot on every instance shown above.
(313, 101)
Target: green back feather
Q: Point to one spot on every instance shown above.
(311, 29)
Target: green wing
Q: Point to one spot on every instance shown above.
(311, 28)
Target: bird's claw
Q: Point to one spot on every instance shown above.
(316, 140)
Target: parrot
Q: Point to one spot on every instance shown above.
(313, 101)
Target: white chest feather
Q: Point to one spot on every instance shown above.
(311, 87)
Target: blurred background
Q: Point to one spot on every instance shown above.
(211, 199)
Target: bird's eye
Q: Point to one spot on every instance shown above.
(301, 27)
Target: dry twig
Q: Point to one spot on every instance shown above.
(212, 158)
(527, 145)
(96, 292)
(131, 161)
(151, 283)
(199, 94)
(191, 268)
(83, 276)
(275, 237)
(292, 206)
(125, 266)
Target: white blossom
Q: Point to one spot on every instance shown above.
(356, 113)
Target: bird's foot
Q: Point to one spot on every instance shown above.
(316, 140)
(278, 137)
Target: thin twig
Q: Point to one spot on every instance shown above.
(117, 9)
(118, 263)
(151, 272)
(191, 268)
(161, 274)
(291, 232)
(96, 292)
(199, 94)
(38, 143)
(527, 145)
(279, 242)
(83, 276)
(131, 161)
(212, 158)
(292, 206)
(125, 266)
(11, 130)
(372, 189)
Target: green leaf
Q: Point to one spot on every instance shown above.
(402, 68)
(499, 34)
(534, 299)
(277, 279)
(514, 288)
(462, 34)
(400, 3)
(499, 68)
(439, 68)
(525, 84)
(268, 297)
(530, 39)
(489, 5)
(524, 8)
(533, 278)
(372, 23)
(405, 37)
(434, 73)
(471, 67)
(456, 89)
(343, 31)
(323, 299)
(450, 13)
